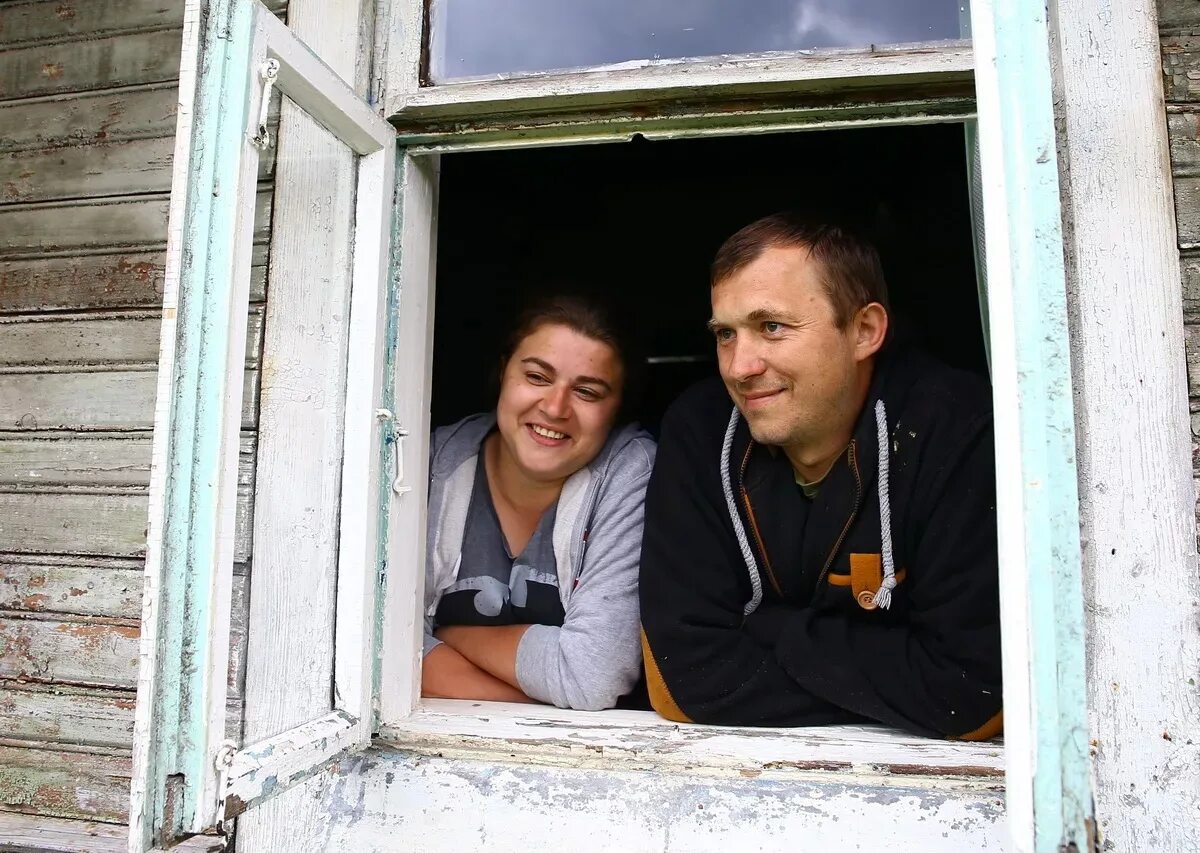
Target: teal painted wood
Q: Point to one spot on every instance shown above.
(389, 445)
(196, 409)
(1062, 798)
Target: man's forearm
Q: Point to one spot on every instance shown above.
(491, 648)
(445, 674)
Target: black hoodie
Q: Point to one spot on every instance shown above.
(768, 615)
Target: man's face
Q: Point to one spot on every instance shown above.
(790, 370)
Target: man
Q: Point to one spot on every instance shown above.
(822, 547)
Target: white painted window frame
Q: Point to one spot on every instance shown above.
(181, 708)
(1048, 791)
(190, 553)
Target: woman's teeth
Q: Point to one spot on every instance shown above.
(546, 433)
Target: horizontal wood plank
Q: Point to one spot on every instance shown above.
(1190, 270)
(80, 716)
(94, 524)
(85, 652)
(68, 227)
(114, 461)
(86, 171)
(90, 117)
(77, 588)
(92, 401)
(1191, 342)
(73, 523)
(67, 784)
(103, 223)
(1184, 136)
(68, 20)
(1178, 14)
(120, 461)
(113, 341)
(125, 280)
(62, 714)
(58, 835)
(1187, 210)
(1181, 68)
(100, 654)
(103, 63)
(76, 401)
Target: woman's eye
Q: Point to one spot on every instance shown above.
(537, 379)
(587, 394)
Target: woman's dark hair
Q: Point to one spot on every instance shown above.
(593, 318)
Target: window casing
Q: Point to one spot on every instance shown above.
(1038, 503)
(732, 95)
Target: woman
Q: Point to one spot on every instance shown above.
(535, 524)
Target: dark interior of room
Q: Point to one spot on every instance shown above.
(640, 222)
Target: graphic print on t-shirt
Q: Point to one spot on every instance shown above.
(494, 587)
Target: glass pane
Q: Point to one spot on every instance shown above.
(482, 38)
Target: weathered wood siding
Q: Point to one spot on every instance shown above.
(1179, 27)
(87, 119)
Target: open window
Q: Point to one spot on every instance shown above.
(646, 101)
(188, 778)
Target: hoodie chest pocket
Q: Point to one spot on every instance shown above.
(865, 583)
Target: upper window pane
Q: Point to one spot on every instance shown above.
(484, 38)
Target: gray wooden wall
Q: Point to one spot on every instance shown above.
(87, 99)
(1179, 28)
(87, 119)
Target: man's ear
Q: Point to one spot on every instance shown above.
(871, 327)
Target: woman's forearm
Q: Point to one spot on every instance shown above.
(492, 649)
(446, 674)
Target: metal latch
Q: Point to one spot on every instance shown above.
(223, 762)
(269, 72)
(400, 433)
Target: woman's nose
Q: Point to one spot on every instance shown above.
(557, 402)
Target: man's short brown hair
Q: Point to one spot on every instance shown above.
(853, 274)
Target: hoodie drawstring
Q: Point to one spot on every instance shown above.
(738, 529)
(883, 597)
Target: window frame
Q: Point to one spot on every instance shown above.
(1048, 787)
(186, 777)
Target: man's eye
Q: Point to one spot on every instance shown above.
(772, 328)
(723, 335)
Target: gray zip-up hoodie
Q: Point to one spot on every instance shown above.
(595, 657)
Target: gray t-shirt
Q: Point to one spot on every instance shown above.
(493, 586)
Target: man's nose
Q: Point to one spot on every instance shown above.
(557, 402)
(744, 362)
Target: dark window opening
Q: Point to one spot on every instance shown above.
(641, 221)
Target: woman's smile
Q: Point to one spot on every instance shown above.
(547, 437)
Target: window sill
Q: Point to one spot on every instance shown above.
(641, 740)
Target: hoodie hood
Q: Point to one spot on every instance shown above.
(454, 455)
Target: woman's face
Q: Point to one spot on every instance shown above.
(559, 396)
